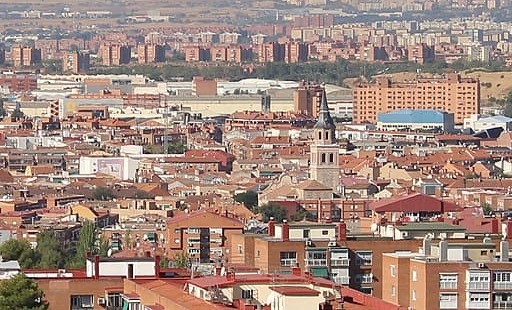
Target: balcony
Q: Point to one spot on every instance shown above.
(502, 305)
(289, 262)
(342, 262)
(478, 286)
(447, 285)
(478, 305)
(342, 280)
(316, 262)
(503, 285)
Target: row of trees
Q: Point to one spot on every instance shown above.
(49, 252)
(333, 73)
(268, 210)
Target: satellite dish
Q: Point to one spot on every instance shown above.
(109, 252)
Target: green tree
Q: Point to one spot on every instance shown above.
(164, 262)
(103, 193)
(20, 250)
(3, 113)
(49, 250)
(17, 113)
(20, 292)
(176, 148)
(486, 208)
(181, 260)
(249, 199)
(271, 210)
(90, 241)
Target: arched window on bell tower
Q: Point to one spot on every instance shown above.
(331, 158)
(323, 158)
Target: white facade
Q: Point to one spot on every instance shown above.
(122, 168)
(479, 123)
(122, 267)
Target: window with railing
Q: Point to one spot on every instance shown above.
(447, 301)
(364, 258)
(288, 259)
(478, 301)
(502, 301)
(478, 281)
(448, 281)
(502, 280)
(316, 258)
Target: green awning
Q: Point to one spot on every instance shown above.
(125, 305)
(321, 272)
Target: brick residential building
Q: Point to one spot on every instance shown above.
(25, 56)
(19, 83)
(451, 93)
(150, 53)
(76, 62)
(113, 54)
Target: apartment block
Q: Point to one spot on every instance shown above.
(203, 235)
(449, 275)
(420, 53)
(307, 98)
(150, 53)
(18, 83)
(113, 54)
(196, 53)
(270, 52)
(76, 62)
(450, 93)
(24, 56)
(295, 52)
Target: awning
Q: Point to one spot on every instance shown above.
(321, 272)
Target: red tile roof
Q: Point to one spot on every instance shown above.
(295, 291)
(415, 202)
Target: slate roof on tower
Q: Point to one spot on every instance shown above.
(324, 118)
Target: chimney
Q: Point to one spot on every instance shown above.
(230, 276)
(398, 223)
(147, 253)
(88, 253)
(443, 251)
(285, 231)
(271, 227)
(427, 250)
(218, 271)
(97, 267)
(157, 266)
(509, 229)
(342, 231)
(504, 248)
(296, 271)
(495, 226)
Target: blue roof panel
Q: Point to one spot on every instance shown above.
(412, 116)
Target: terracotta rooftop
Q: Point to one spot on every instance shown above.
(295, 291)
(415, 202)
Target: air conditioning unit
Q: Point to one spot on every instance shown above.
(309, 242)
(332, 243)
(481, 265)
(101, 301)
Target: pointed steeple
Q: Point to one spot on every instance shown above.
(324, 117)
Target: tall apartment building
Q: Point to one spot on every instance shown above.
(451, 93)
(420, 53)
(76, 62)
(295, 52)
(449, 275)
(150, 53)
(270, 52)
(196, 53)
(24, 56)
(113, 54)
(307, 99)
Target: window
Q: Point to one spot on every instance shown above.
(288, 259)
(247, 294)
(305, 233)
(331, 158)
(501, 277)
(240, 249)
(81, 301)
(363, 258)
(392, 270)
(414, 276)
(319, 135)
(323, 158)
(325, 232)
(447, 301)
(448, 281)
(393, 290)
(413, 295)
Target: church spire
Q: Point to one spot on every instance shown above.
(324, 117)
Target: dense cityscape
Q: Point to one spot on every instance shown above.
(265, 155)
